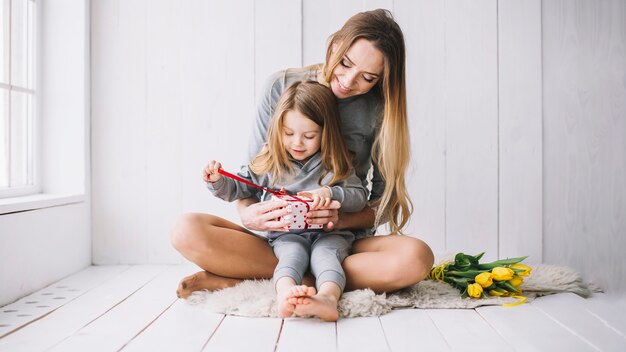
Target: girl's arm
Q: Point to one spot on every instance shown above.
(350, 193)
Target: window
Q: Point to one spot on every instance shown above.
(18, 98)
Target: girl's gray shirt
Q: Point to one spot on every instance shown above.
(349, 192)
(360, 120)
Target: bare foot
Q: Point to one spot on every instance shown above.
(285, 307)
(203, 280)
(321, 305)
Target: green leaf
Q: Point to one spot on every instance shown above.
(501, 262)
(461, 282)
(507, 286)
(470, 274)
(462, 261)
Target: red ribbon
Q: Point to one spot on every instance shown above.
(279, 194)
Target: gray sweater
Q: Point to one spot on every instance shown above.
(349, 192)
(360, 119)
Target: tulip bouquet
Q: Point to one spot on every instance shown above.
(499, 278)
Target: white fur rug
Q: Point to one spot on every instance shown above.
(257, 298)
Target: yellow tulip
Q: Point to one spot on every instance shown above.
(520, 266)
(516, 281)
(484, 279)
(502, 274)
(474, 290)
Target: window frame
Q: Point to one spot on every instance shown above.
(34, 149)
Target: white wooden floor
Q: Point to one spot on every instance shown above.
(134, 308)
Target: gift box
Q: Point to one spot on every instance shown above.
(297, 218)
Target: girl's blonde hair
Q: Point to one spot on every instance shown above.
(390, 150)
(319, 104)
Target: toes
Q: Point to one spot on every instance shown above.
(301, 291)
(299, 300)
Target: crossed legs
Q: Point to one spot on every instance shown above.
(228, 254)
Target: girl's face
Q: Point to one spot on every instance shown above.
(358, 71)
(301, 136)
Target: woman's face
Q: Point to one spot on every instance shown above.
(358, 71)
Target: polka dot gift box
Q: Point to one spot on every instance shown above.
(297, 218)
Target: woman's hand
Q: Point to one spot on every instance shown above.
(210, 173)
(327, 216)
(264, 216)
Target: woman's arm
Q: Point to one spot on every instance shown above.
(363, 219)
(333, 219)
(263, 216)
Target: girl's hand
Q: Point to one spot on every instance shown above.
(211, 171)
(265, 216)
(321, 197)
(327, 216)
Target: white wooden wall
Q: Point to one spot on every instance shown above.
(585, 138)
(175, 84)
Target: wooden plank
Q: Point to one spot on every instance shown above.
(361, 334)
(302, 334)
(568, 309)
(118, 123)
(520, 131)
(620, 300)
(277, 38)
(219, 104)
(423, 25)
(129, 317)
(182, 327)
(529, 329)
(201, 48)
(51, 297)
(608, 309)
(405, 329)
(315, 30)
(73, 316)
(245, 334)
(471, 127)
(339, 12)
(378, 4)
(320, 19)
(465, 330)
(162, 132)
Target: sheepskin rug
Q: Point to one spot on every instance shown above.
(256, 298)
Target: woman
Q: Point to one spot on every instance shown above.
(365, 69)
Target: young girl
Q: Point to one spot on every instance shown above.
(304, 155)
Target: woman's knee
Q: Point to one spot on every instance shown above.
(413, 260)
(187, 229)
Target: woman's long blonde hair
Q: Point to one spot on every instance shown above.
(390, 150)
(319, 104)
